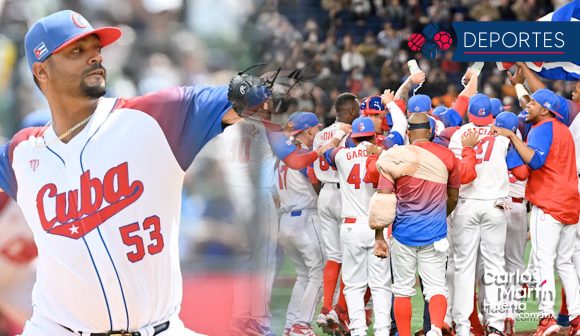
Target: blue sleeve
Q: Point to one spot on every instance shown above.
(281, 145)
(7, 178)
(540, 140)
(330, 155)
(348, 143)
(189, 116)
(513, 158)
(394, 138)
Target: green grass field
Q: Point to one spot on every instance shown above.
(281, 296)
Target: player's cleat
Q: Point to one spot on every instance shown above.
(299, 329)
(509, 327)
(332, 320)
(563, 320)
(369, 316)
(322, 322)
(446, 330)
(547, 326)
(574, 327)
(491, 331)
(256, 329)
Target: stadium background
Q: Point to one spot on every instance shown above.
(357, 46)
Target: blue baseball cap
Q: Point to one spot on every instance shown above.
(419, 103)
(55, 32)
(507, 120)
(372, 105)
(451, 118)
(300, 121)
(549, 100)
(36, 118)
(362, 127)
(480, 110)
(437, 111)
(497, 107)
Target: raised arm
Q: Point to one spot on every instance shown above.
(403, 90)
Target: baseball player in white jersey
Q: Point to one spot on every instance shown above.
(17, 262)
(299, 232)
(90, 184)
(479, 220)
(361, 268)
(517, 229)
(329, 205)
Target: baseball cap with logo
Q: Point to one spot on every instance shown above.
(549, 100)
(57, 31)
(497, 106)
(362, 127)
(300, 121)
(371, 105)
(419, 103)
(507, 120)
(451, 118)
(480, 110)
(437, 111)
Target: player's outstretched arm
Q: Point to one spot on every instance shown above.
(452, 198)
(533, 80)
(467, 162)
(526, 153)
(403, 90)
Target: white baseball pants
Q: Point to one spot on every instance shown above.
(517, 231)
(553, 241)
(329, 212)
(361, 268)
(477, 225)
(300, 237)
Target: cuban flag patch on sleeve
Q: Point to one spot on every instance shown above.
(40, 50)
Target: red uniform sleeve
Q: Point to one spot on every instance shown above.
(461, 104)
(454, 180)
(372, 175)
(402, 105)
(521, 172)
(467, 165)
(299, 161)
(385, 184)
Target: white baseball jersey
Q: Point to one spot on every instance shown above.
(492, 180)
(104, 208)
(323, 171)
(355, 193)
(251, 162)
(295, 190)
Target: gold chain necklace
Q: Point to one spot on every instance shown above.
(75, 127)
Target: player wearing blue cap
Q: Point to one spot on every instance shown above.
(360, 267)
(479, 220)
(89, 184)
(552, 191)
(299, 229)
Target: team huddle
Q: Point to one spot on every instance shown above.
(412, 188)
(392, 188)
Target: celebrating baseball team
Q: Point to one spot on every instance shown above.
(394, 188)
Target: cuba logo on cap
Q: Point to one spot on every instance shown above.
(416, 108)
(40, 50)
(547, 105)
(481, 112)
(79, 20)
(361, 126)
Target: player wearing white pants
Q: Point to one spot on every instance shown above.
(479, 222)
(329, 205)
(360, 267)
(299, 232)
(552, 190)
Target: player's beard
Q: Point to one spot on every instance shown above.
(95, 90)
